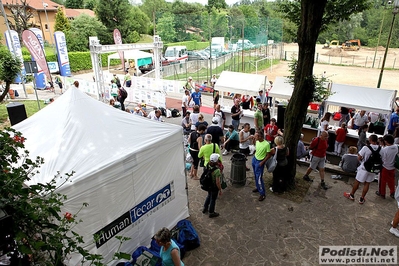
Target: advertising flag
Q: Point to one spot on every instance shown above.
(62, 52)
(36, 50)
(118, 40)
(17, 53)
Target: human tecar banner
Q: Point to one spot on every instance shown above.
(62, 53)
(118, 40)
(33, 40)
(13, 42)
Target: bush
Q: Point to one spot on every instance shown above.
(78, 60)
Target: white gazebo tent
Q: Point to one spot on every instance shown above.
(129, 169)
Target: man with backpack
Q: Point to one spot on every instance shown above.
(212, 173)
(370, 159)
(122, 95)
(318, 147)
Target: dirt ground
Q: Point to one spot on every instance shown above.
(352, 75)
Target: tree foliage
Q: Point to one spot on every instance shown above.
(10, 66)
(82, 28)
(311, 19)
(166, 28)
(75, 4)
(39, 233)
(61, 21)
(116, 15)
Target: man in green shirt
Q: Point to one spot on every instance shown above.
(258, 117)
(258, 163)
(127, 80)
(207, 149)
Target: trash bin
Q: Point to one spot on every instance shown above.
(238, 172)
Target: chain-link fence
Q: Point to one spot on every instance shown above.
(338, 57)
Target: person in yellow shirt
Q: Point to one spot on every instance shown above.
(258, 163)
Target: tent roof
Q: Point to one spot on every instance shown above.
(281, 88)
(241, 83)
(131, 54)
(369, 99)
(79, 133)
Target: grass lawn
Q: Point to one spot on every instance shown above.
(30, 107)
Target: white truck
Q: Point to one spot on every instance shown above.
(218, 44)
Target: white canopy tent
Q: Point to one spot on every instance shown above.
(140, 58)
(130, 170)
(281, 89)
(241, 83)
(363, 98)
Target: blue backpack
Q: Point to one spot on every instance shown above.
(146, 257)
(157, 248)
(187, 235)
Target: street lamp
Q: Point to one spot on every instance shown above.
(394, 12)
(45, 5)
(229, 27)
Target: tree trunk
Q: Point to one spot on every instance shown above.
(6, 89)
(304, 86)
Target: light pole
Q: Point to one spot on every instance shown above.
(45, 5)
(242, 51)
(394, 12)
(229, 27)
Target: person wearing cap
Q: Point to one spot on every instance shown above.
(207, 149)
(190, 84)
(232, 140)
(196, 97)
(210, 201)
(138, 112)
(215, 131)
(117, 80)
(236, 114)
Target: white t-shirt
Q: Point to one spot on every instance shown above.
(388, 154)
(194, 120)
(184, 100)
(219, 115)
(362, 175)
(360, 120)
(323, 126)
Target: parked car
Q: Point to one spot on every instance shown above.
(192, 55)
(147, 68)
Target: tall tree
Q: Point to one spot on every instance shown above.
(311, 17)
(61, 21)
(115, 15)
(21, 16)
(166, 27)
(76, 4)
(82, 28)
(217, 4)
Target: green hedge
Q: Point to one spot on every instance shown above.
(79, 60)
(191, 45)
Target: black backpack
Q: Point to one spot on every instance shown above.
(175, 112)
(206, 179)
(163, 111)
(123, 92)
(374, 162)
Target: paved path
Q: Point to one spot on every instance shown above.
(278, 231)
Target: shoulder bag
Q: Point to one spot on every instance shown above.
(272, 162)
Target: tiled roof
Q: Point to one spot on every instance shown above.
(73, 13)
(35, 4)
